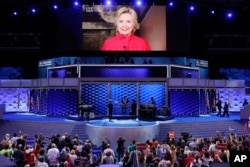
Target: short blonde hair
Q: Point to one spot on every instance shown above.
(129, 10)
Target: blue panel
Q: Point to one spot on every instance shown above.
(62, 102)
(43, 101)
(156, 90)
(124, 71)
(96, 95)
(35, 101)
(117, 93)
(204, 101)
(184, 102)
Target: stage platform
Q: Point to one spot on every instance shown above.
(119, 117)
(130, 129)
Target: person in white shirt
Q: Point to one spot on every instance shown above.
(53, 155)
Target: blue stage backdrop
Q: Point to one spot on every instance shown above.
(156, 90)
(204, 100)
(98, 95)
(184, 102)
(95, 94)
(124, 71)
(43, 101)
(118, 90)
(35, 101)
(62, 102)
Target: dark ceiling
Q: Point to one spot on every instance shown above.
(22, 3)
(240, 4)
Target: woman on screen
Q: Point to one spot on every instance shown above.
(125, 39)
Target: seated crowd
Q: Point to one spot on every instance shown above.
(66, 151)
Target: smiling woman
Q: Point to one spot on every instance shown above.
(126, 24)
(124, 27)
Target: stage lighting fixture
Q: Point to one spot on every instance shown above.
(76, 3)
(138, 2)
(15, 13)
(229, 15)
(55, 7)
(192, 8)
(33, 10)
(108, 2)
(171, 3)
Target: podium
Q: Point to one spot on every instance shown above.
(85, 110)
(147, 111)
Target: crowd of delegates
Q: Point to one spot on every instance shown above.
(66, 151)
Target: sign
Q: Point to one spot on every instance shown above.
(141, 146)
(221, 146)
(96, 150)
(171, 134)
(45, 63)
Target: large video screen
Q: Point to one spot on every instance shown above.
(101, 22)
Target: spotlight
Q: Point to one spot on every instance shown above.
(108, 2)
(55, 7)
(171, 3)
(138, 3)
(191, 8)
(15, 13)
(229, 15)
(76, 3)
(33, 10)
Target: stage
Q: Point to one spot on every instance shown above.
(118, 117)
(130, 129)
(98, 129)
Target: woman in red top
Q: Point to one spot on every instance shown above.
(125, 40)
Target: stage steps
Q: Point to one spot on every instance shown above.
(201, 129)
(80, 131)
(47, 129)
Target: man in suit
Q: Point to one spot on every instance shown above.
(110, 110)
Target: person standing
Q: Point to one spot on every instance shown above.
(219, 106)
(81, 109)
(124, 102)
(110, 110)
(120, 148)
(225, 110)
(133, 109)
(134, 159)
(126, 23)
